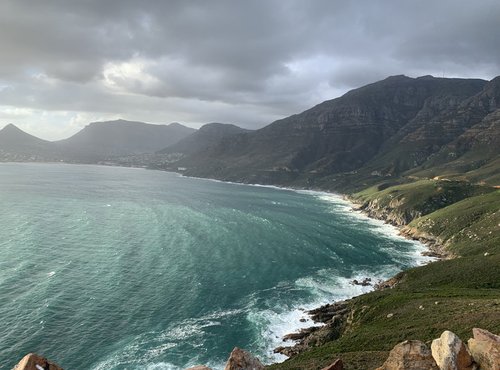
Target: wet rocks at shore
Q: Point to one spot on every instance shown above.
(334, 317)
(365, 282)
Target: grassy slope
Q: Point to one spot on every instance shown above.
(467, 289)
(418, 198)
(468, 227)
(468, 294)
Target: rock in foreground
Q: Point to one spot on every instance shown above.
(32, 361)
(242, 360)
(451, 353)
(485, 348)
(410, 355)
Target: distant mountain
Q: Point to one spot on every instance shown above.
(207, 136)
(382, 129)
(104, 140)
(17, 145)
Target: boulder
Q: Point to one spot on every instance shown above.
(410, 355)
(199, 367)
(242, 360)
(450, 353)
(32, 361)
(337, 365)
(485, 349)
(481, 334)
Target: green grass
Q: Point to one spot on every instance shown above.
(479, 167)
(455, 295)
(468, 227)
(404, 202)
(467, 292)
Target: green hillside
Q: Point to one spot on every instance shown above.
(455, 294)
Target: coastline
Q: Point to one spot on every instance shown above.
(328, 311)
(434, 248)
(334, 317)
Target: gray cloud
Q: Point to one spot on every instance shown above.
(198, 61)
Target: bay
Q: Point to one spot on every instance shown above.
(122, 268)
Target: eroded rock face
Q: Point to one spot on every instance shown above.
(242, 360)
(410, 355)
(485, 348)
(32, 361)
(450, 353)
(199, 367)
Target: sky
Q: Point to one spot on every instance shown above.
(67, 63)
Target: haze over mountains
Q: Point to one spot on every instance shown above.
(96, 142)
(118, 138)
(18, 145)
(422, 126)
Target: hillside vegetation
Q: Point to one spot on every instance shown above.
(455, 294)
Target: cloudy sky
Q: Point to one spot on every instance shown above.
(67, 63)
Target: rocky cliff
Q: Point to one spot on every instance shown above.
(377, 131)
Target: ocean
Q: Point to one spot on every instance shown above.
(122, 268)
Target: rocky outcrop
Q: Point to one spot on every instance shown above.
(485, 349)
(450, 353)
(389, 283)
(32, 361)
(410, 355)
(199, 367)
(388, 213)
(242, 360)
(335, 318)
(336, 365)
(434, 245)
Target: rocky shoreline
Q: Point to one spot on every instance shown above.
(334, 319)
(435, 247)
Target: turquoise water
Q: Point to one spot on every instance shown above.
(117, 268)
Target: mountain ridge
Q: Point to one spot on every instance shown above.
(396, 121)
(103, 140)
(207, 135)
(96, 142)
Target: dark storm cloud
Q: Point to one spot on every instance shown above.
(264, 58)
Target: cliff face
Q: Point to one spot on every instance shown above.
(382, 129)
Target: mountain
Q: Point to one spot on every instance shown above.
(17, 145)
(104, 140)
(475, 153)
(380, 130)
(207, 136)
